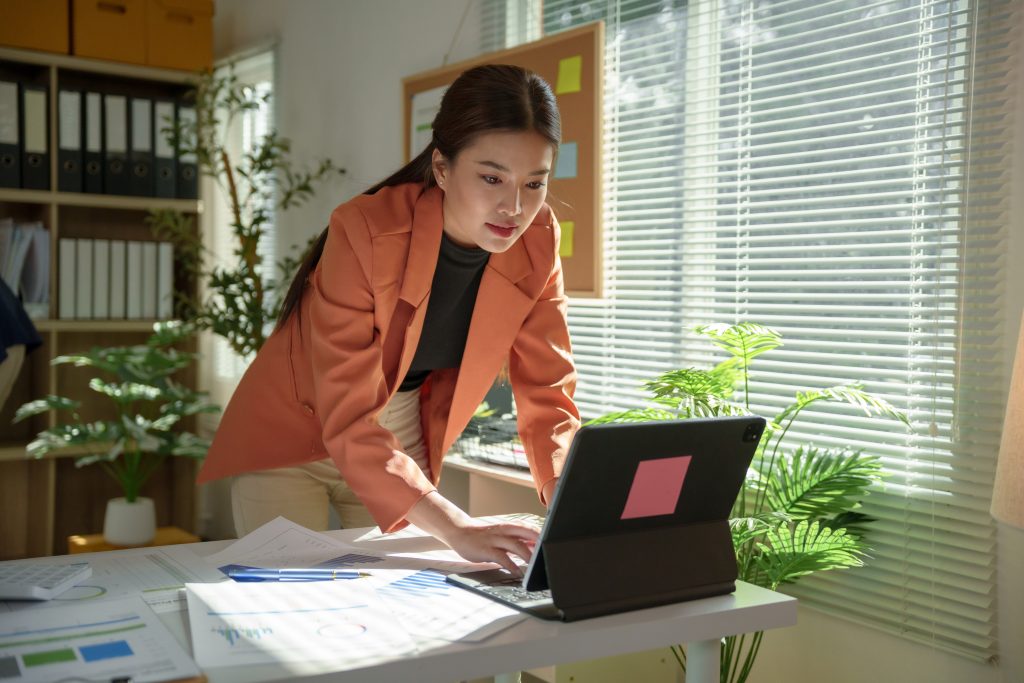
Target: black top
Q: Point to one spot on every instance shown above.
(15, 327)
(452, 297)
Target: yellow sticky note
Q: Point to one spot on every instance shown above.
(565, 246)
(569, 74)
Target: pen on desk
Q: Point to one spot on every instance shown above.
(255, 574)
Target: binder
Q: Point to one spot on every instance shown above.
(115, 150)
(118, 274)
(83, 279)
(133, 285)
(188, 179)
(93, 157)
(35, 153)
(149, 279)
(10, 136)
(140, 153)
(69, 141)
(66, 279)
(164, 164)
(101, 279)
(165, 282)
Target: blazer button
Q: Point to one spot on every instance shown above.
(308, 408)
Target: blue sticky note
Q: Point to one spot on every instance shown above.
(566, 166)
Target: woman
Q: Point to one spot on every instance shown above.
(398, 322)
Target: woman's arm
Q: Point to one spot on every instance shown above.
(472, 539)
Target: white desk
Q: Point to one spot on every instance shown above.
(535, 643)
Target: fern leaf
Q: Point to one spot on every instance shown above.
(814, 482)
(788, 553)
(744, 341)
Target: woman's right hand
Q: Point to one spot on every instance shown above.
(474, 540)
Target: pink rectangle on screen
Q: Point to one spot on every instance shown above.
(656, 487)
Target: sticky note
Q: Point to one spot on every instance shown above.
(656, 487)
(570, 70)
(568, 152)
(565, 246)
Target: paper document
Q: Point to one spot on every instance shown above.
(95, 642)
(317, 626)
(281, 543)
(157, 574)
(435, 612)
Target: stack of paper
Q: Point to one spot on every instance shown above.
(403, 605)
(25, 263)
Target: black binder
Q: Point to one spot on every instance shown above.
(92, 114)
(140, 154)
(115, 150)
(10, 135)
(69, 141)
(165, 169)
(35, 147)
(188, 172)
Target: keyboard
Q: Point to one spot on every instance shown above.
(37, 581)
(513, 592)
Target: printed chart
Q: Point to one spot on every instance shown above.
(97, 641)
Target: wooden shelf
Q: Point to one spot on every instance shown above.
(12, 451)
(96, 66)
(16, 451)
(99, 201)
(51, 325)
(47, 499)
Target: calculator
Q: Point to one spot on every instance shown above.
(39, 581)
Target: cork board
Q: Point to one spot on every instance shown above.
(572, 63)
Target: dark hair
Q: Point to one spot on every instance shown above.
(488, 98)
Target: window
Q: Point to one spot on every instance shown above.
(832, 169)
(256, 70)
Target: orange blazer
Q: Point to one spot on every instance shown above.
(316, 387)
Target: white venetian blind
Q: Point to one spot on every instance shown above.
(833, 169)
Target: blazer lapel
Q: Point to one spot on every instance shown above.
(407, 320)
(498, 314)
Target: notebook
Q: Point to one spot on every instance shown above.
(640, 518)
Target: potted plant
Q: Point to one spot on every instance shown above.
(149, 406)
(798, 511)
(240, 302)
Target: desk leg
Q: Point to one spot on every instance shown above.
(702, 661)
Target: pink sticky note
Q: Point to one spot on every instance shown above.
(656, 487)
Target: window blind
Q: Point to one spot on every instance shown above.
(833, 169)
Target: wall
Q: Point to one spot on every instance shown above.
(339, 94)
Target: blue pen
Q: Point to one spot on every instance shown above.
(256, 574)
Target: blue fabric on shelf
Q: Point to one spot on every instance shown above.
(15, 326)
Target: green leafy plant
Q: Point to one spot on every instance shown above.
(797, 513)
(149, 405)
(240, 302)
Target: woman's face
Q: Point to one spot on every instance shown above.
(494, 188)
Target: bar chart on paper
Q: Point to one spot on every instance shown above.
(100, 641)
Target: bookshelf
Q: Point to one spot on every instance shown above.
(42, 502)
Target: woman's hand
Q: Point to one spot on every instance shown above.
(474, 540)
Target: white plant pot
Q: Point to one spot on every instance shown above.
(129, 523)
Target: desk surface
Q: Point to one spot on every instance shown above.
(532, 642)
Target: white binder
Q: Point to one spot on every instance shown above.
(101, 279)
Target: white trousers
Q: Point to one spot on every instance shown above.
(302, 494)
